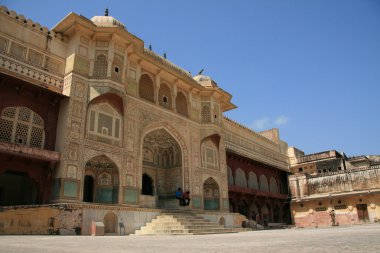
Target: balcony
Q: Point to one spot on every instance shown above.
(238, 189)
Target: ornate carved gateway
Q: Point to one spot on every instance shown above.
(89, 116)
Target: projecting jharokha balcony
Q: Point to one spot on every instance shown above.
(29, 152)
(238, 189)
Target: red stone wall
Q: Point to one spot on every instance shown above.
(15, 92)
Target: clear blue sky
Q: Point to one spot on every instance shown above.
(310, 68)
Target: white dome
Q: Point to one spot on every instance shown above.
(205, 81)
(107, 21)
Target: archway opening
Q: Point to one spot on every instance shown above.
(110, 223)
(211, 195)
(105, 181)
(17, 188)
(162, 161)
(88, 189)
(147, 185)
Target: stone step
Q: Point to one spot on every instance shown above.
(182, 222)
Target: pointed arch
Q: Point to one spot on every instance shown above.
(181, 104)
(146, 87)
(105, 182)
(211, 194)
(181, 164)
(210, 151)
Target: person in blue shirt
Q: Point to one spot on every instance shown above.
(178, 195)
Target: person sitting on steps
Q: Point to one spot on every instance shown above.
(179, 196)
(186, 198)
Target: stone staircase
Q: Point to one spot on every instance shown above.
(183, 222)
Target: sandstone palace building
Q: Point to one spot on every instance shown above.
(94, 126)
(98, 130)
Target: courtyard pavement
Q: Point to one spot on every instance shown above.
(360, 238)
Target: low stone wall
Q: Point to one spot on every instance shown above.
(72, 219)
(316, 213)
(40, 220)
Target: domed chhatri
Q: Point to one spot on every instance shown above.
(205, 81)
(107, 21)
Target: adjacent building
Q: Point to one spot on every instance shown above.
(328, 188)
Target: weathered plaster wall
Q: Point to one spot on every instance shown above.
(40, 220)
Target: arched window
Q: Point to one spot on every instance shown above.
(252, 181)
(273, 185)
(240, 178)
(146, 89)
(210, 157)
(104, 122)
(181, 104)
(264, 183)
(104, 179)
(23, 126)
(100, 66)
(164, 96)
(206, 113)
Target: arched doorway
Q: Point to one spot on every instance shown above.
(147, 185)
(162, 161)
(17, 188)
(101, 181)
(211, 195)
(110, 223)
(88, 189)
(277, 213)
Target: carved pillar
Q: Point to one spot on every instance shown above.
(174, 97)
(157, 88)
(110, 57)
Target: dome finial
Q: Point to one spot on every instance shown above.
(106, 12)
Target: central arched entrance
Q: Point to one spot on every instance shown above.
(101, 181)
(161, 170)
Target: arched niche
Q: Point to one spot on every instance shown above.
(104, 185)
(146, 88)
(211, 195)
(110, 222)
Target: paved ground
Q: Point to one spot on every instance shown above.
(364, 238)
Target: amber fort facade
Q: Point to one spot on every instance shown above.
(96, 127)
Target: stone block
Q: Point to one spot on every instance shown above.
(97, 228)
